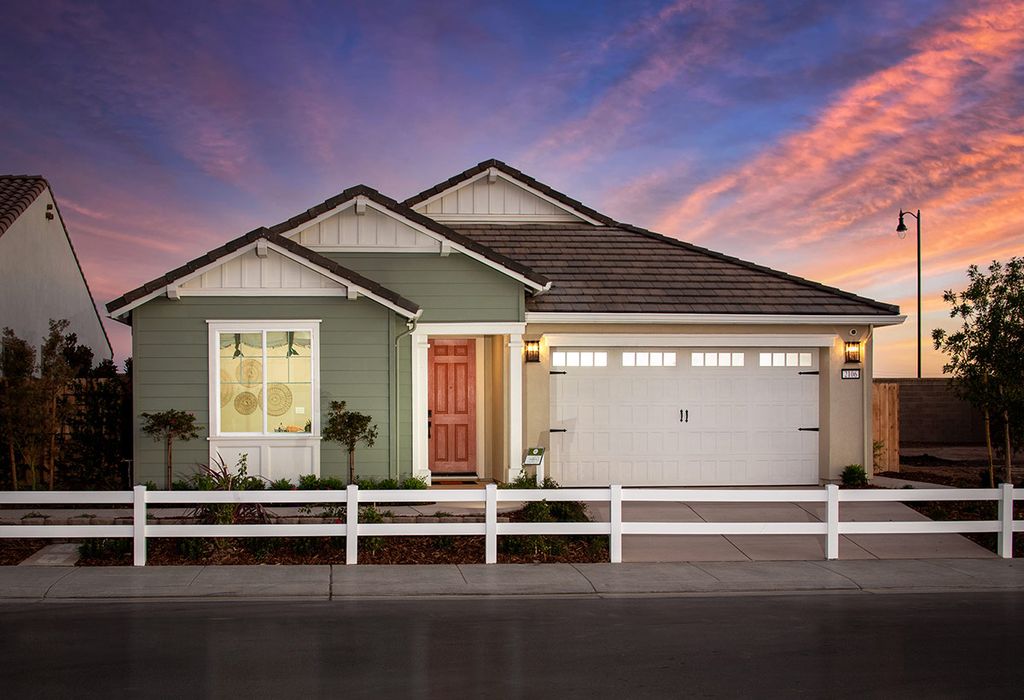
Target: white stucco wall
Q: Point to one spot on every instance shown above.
(40, 280)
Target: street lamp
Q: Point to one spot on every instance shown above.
(901, 229)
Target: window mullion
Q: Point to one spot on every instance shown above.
(263, 402)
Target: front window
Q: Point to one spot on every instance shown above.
(265, 380)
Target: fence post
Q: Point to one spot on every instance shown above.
(352, 524)
(832, 521)
(615, 519)
(491, 524)
(139, 526)
(1005, 546)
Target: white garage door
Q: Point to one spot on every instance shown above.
(682, 416)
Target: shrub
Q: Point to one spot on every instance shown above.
(542, 512)
(219, 477)
(281, 485)
(854, 475)
(105, 547)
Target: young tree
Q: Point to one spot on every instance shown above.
(349, 428)
(986, 355)
(55, 372)
(168, 426)
(17, 364)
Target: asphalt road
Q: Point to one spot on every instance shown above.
(839, 645)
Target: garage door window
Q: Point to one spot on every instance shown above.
(716, 359)
(648, 359)
(582, 358)
(785, 359)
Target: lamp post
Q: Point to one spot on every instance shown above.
(901, 229)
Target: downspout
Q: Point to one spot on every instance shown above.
(410, 329)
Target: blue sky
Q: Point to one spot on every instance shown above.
(789, 133)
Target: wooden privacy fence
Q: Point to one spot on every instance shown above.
(885, 426)
(614, 528)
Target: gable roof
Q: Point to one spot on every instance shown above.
(626, 269)
(472, 247)
(124, 303)
(518, 175)
(17, 192)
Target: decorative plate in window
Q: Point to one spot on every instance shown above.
(279, 399)
(250, 372)
(246, 403)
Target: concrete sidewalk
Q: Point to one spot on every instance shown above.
(35, 583)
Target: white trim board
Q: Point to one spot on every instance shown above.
(724, 340)
(712, 319)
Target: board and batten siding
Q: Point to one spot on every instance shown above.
(450, 289)
(171, 370)
(500, 198)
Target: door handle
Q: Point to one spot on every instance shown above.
(684, 416)
(558, 430)
(430, 414)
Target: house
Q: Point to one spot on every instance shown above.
(492, 313)
(40, 276)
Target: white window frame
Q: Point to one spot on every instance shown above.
(215, 328)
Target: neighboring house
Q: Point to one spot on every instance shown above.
(40, 277)
(489, 314)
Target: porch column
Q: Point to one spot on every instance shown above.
(515, 405)
(420, 447)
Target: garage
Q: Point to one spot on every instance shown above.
(703, 416)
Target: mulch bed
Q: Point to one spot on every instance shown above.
(331, 550)
(16, 551)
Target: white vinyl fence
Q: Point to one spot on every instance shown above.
(831, 528)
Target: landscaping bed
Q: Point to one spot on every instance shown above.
(16, 551)
(935, 470)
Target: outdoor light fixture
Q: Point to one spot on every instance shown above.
(901, 231)
(852, 352)
(532, 350)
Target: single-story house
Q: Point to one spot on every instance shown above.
(490, 314)
(40, 276)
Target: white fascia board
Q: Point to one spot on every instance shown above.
(518, 183)
(703, 340)
(712, 319)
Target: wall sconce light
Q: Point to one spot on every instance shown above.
(853, 352)
(532, 352)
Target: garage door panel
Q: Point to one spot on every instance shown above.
(623, 422)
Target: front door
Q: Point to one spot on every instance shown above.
(452, 405)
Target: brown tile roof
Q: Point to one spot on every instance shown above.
(17, 192)
(625, 269)
(277, 239)
(404, 211)
(518, 175)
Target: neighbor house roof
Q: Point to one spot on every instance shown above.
(620, 268)
(17, 192)
(414, 216)
(516, 175)
(277, 239)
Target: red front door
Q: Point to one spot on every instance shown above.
(452, 405)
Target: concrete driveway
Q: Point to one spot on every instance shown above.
(679, 548)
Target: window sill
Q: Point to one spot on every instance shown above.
(260, 436)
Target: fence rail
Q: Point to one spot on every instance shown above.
(614, 528)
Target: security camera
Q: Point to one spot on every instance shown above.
(853, 332)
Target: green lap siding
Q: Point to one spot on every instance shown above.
(171, 370)
(454, 288)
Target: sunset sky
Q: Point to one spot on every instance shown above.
(788, 133)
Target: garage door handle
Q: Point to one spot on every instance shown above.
(684, 416)
(558, 430)
(809, 430)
